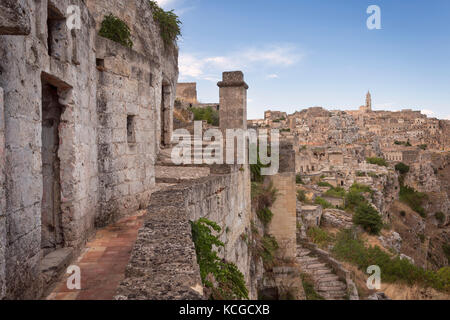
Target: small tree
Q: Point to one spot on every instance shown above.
(402, 168)
(368, 218)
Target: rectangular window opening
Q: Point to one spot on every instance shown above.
(131, 130)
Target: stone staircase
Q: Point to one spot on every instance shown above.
(326, 282)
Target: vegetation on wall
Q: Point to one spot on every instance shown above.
(377, 161)
(230, 281)
(265, 215)
(116, 30)
(337, 192)
(413, 199)
(169, 23)
(206, 114)
(322, 202)
(351, 248)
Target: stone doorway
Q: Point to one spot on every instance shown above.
(51, 216)
(165, 116)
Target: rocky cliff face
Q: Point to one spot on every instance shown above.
(424, 239)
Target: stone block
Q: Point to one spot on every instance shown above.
(14, 18)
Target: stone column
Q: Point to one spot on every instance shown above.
(233, 101)
(284, 222)
(2, 199)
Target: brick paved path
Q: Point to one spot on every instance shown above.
(103, 262)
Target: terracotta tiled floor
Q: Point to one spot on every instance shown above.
(103, 262)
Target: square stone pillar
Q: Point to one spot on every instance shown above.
(233, 101)
(284, 222)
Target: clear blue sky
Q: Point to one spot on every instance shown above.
(303, 53)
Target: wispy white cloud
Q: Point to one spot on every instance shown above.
(165, 3)
(203, 67)
(272, 76)
(447, 117)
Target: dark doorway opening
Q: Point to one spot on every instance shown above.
(51, 216)
(165, 108)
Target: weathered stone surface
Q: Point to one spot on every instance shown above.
(163, 263)
(97, 172)
(337, 218)
(55, 263)
(283, 225)
(14, 18)
(393, 241)
(2, 199)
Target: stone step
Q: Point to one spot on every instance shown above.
(316, 266)
(303, 252)
(306, 259)
(332, 286)
(326, 278)
(333, 295)
(325, 271)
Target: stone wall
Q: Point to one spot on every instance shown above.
(187, 93)
(284, 222)
(128, 96)
(27, 63)
(2, 199)
(163, 263)
(53, 67)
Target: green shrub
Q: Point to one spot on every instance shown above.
(402, 168)
(361, 188)
(373, 175)
(298, 179)
(116, 30)
(319, 236)
(308, 288)
(269, 246)
(208, 114)
(169, 23)
(446, 249)
(337, 192)
(413, 199)
(440, 216)
(368, 218)
(301, 195)
(322, 202)
(353, 199)
(360, 174)
(352, 249)
(324, 184)
(265, 215)
(422, 237)
(423, 146)
(230, 281)
(377, 161)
